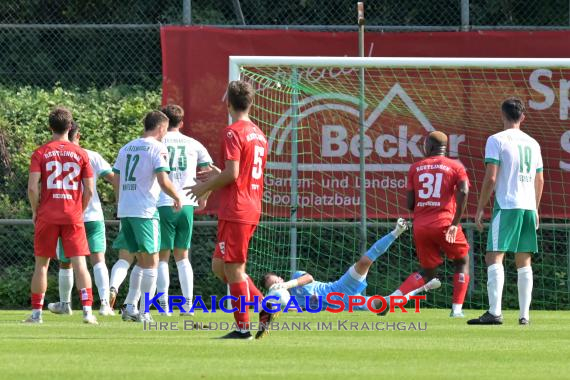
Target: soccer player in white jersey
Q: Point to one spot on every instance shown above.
(514, 172)
(185, 155)
(95, 230)
(142, 171)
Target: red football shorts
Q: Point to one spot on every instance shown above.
(73, 239)
(430, 241)
(233, 241)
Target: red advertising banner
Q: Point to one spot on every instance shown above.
(401, 107)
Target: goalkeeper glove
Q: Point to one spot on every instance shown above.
(284, 285)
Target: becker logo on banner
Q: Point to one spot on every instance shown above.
(402, 105)
(341, 141)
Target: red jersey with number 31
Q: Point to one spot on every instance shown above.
(434, 181)
(62, 165)
(240, 201)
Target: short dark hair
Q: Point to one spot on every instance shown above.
(513, 109)
(60, 119)
(153, 119)
(174, 113)
(73, 131)
(264, 278)
(240, 95)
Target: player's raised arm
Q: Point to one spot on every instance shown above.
(300, 281)
(304, 280)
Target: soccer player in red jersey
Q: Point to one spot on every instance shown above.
(244, 148)
(63, 172)
(437, 194)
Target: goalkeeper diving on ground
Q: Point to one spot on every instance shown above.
(304, 287)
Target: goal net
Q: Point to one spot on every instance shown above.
(309, 109)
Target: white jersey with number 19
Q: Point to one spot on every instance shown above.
(137, 165)
(519, 159)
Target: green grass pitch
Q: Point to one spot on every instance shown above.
(64, 348)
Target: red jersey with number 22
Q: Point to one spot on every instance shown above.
(62, 165)
(240, 201)
(433, 181)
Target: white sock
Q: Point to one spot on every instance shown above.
(355, 275)
(495, 282)
(101, 274)
(524, 283)
(397, 292)
(65, 284)
(134, 286)
(87, 310)
(131, 308)
(456, 308)
(119, 273)
(148, 285)
(186, 278)
(163, 280)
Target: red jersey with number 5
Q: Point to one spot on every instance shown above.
(240, 201)
(62, 165)
(434, 181)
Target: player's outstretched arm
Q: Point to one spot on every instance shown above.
(207, 172)
(461, 194)
(301, 281)
(227, 176)
(167, 186)
(88, 190)
(486, 191)
(538, 187)
(34, 192)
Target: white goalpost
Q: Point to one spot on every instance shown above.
(309, 109)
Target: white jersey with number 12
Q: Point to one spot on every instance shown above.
(137, 165)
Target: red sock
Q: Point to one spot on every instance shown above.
(460, 285)
(414, 281)
(38, 300)
(238, 289)
(86, 296)
(253, 291)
